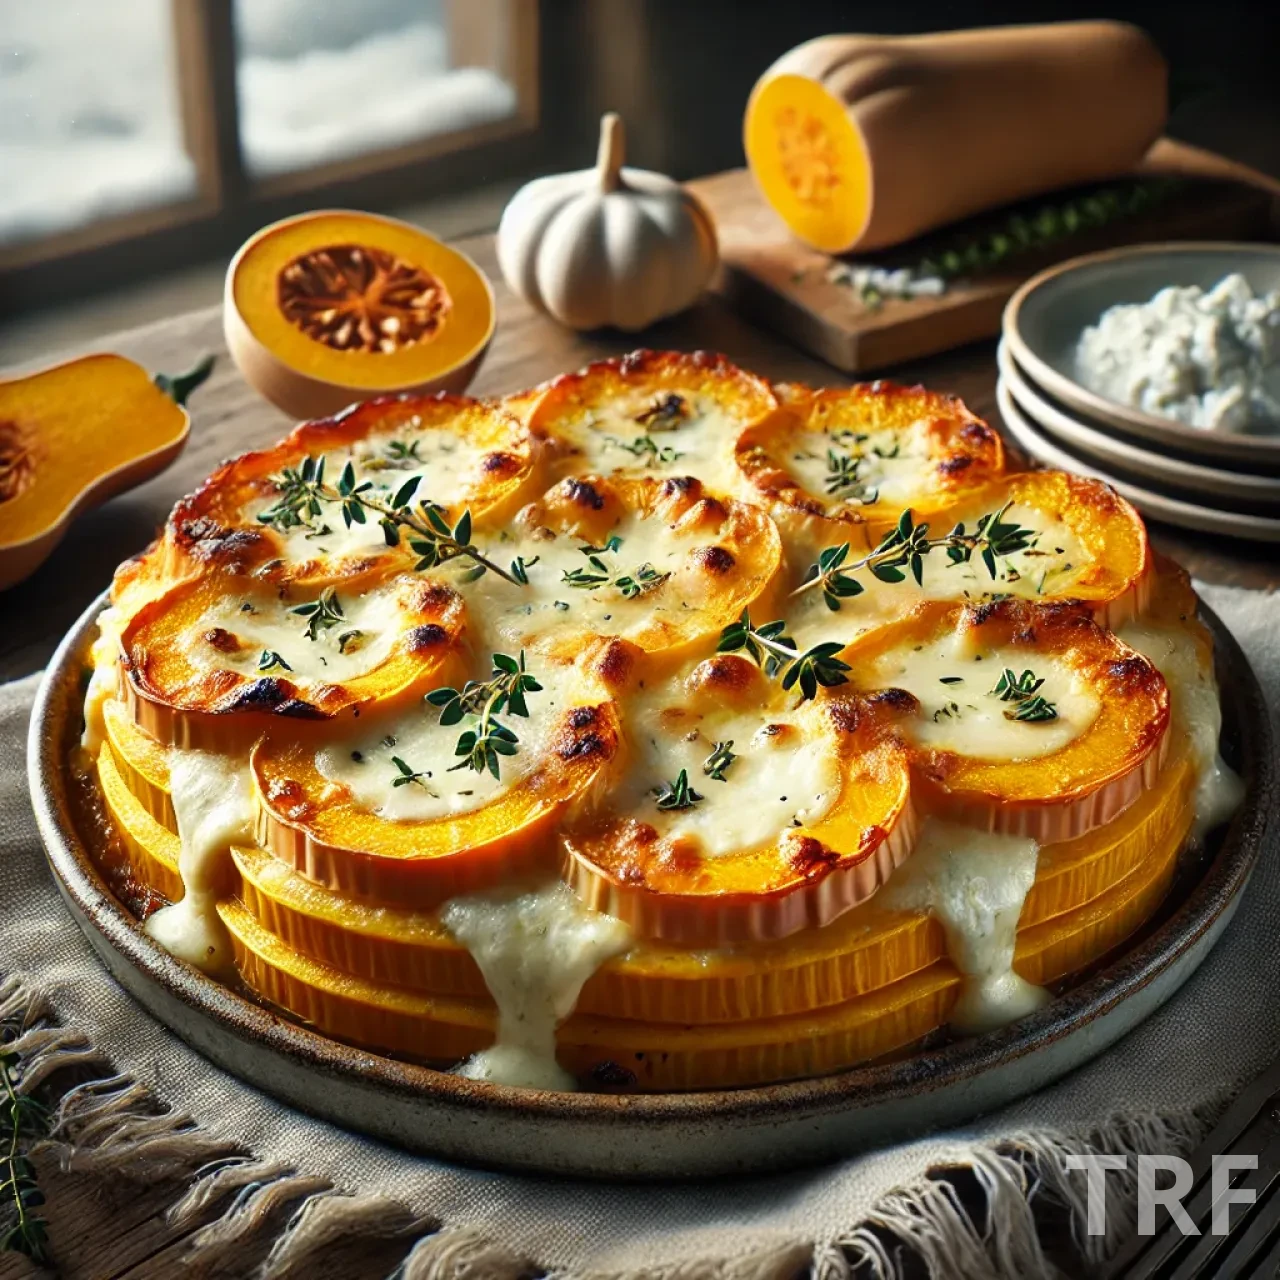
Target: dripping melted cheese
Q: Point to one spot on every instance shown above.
(536, 950)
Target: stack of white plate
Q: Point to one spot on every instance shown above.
(1206, 480)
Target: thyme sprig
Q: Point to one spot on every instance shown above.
(321, 614)
(775, 653)
(304, 493)
(646, 447)
(844, 479)
(407, 775)
(678, 794)
(487, 739)
(21, 1116)
(1023, 690)
(717, 763)
(271, 659)
(638, 581)
(905, 547)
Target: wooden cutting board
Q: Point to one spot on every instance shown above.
(777, 282)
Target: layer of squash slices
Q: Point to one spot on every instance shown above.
(860, 455)
(468, 455)
(740, 830)
(211, 663)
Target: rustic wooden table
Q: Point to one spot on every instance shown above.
(110, 1232)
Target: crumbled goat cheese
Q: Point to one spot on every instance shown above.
(1206, 359)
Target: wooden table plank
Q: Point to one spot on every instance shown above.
(112, 1232)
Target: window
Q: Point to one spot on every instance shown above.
(123, 118)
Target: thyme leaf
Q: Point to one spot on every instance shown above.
(718, 762)
(270, 659)
(775, 653)
(321, 614)
(678, 794)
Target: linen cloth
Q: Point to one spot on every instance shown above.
(1222, 1027)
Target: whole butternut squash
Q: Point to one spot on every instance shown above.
(867, 141)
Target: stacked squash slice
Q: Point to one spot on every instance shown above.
(769, 640)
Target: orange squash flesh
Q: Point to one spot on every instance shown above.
(803, 878)
(664, 1056)
(726, 555)
(333, 307)
(1116, 574)
(692, 405)
(1050, 797)
(217, 527)
(71, 437)
(189, 683)
(866, 949)
(763, 962)
(319, 828)
(877, 426)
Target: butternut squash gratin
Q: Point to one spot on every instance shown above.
(659, 728)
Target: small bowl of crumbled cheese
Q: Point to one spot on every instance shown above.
(1175, 344)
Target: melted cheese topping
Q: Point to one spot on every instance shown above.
(446, 463)
(520, 615)
(535, 950)
(890, 464)
(960, 711)
(1197, 716)
(975, 883)
(613, 437)
(781, 776)
(356, 644)
(213, 804)
(441, 788)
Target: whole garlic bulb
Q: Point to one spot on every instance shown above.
(607, 246)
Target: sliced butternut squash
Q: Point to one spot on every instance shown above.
(332, 307)
(650, 412)
(663, 564)
(809, 818)
(863, 454)
(600, 1051)
(73, 436)
(466, 456)
(208, 666)
(868, 948)
(867, 141)
(1025, 719)
(343, 817)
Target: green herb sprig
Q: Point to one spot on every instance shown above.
(270, 659)
(321, 614)
(487, 740)
(304, 493)
(905, 547)
(845, 481)
(1023, 690)
(408, 776)
(647, 447)
(665, 413)
(21, 1117)
(775, 653)
(678, 794)
(716, 765)
(597, 573)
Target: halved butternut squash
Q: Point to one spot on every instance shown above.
(650, 411)
(74, 435)
(208, 666)
(469, 455)
(1026, 719)
(328, 308)
(863, 454)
